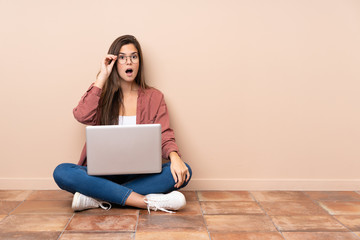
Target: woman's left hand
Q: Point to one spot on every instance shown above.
(179, 170)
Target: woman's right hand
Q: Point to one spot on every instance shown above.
(106, 67)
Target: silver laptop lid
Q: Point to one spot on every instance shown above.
(130, 149)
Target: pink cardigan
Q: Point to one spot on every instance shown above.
(151, 108)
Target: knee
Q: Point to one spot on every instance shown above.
(60, 170)
(62, 174)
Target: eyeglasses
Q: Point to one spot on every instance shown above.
(123, 59)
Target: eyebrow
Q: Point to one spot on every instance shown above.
(130, 53)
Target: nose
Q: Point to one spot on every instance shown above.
(128, 60)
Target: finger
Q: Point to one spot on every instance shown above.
(106, 61)
(177, 180)
(112, 62)
(111, 55)
(109, 58)
(174, 176)
(187, 175)
(181, 180)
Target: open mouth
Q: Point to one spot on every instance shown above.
(128, 71)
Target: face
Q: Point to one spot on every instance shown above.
(125, 62)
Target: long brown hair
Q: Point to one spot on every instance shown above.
(112, 96)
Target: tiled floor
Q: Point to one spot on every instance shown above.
(216, 215)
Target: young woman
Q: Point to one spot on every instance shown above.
(121, 96)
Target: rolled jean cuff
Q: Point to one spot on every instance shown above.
(126, 197)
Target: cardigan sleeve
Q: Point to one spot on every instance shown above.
(167, 134)
(86, 110)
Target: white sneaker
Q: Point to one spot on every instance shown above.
(81, 202)
(165, 202)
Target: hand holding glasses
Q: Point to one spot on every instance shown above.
(107, 64)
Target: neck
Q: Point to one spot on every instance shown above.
(128, 87)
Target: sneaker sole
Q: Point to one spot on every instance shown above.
(75, 198)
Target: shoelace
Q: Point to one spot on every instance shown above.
(102, 205)
(156, 207)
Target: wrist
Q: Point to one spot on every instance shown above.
(174, 156)
(99, 83)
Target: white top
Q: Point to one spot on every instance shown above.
(127, 120)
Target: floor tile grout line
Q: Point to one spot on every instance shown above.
(21, 202)
(316, 202)
(332, 200)
(202, 214)
(262, 208)
(196, 195)
(31, 192)
(332, 216)
(354, 234)
(339, 201)
(137, 224)
(252, 196)
(67, 224)
(6, 215)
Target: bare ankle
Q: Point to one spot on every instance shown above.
(136, 200)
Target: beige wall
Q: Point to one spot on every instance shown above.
(262, 94)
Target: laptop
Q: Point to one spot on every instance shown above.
(123, 149)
